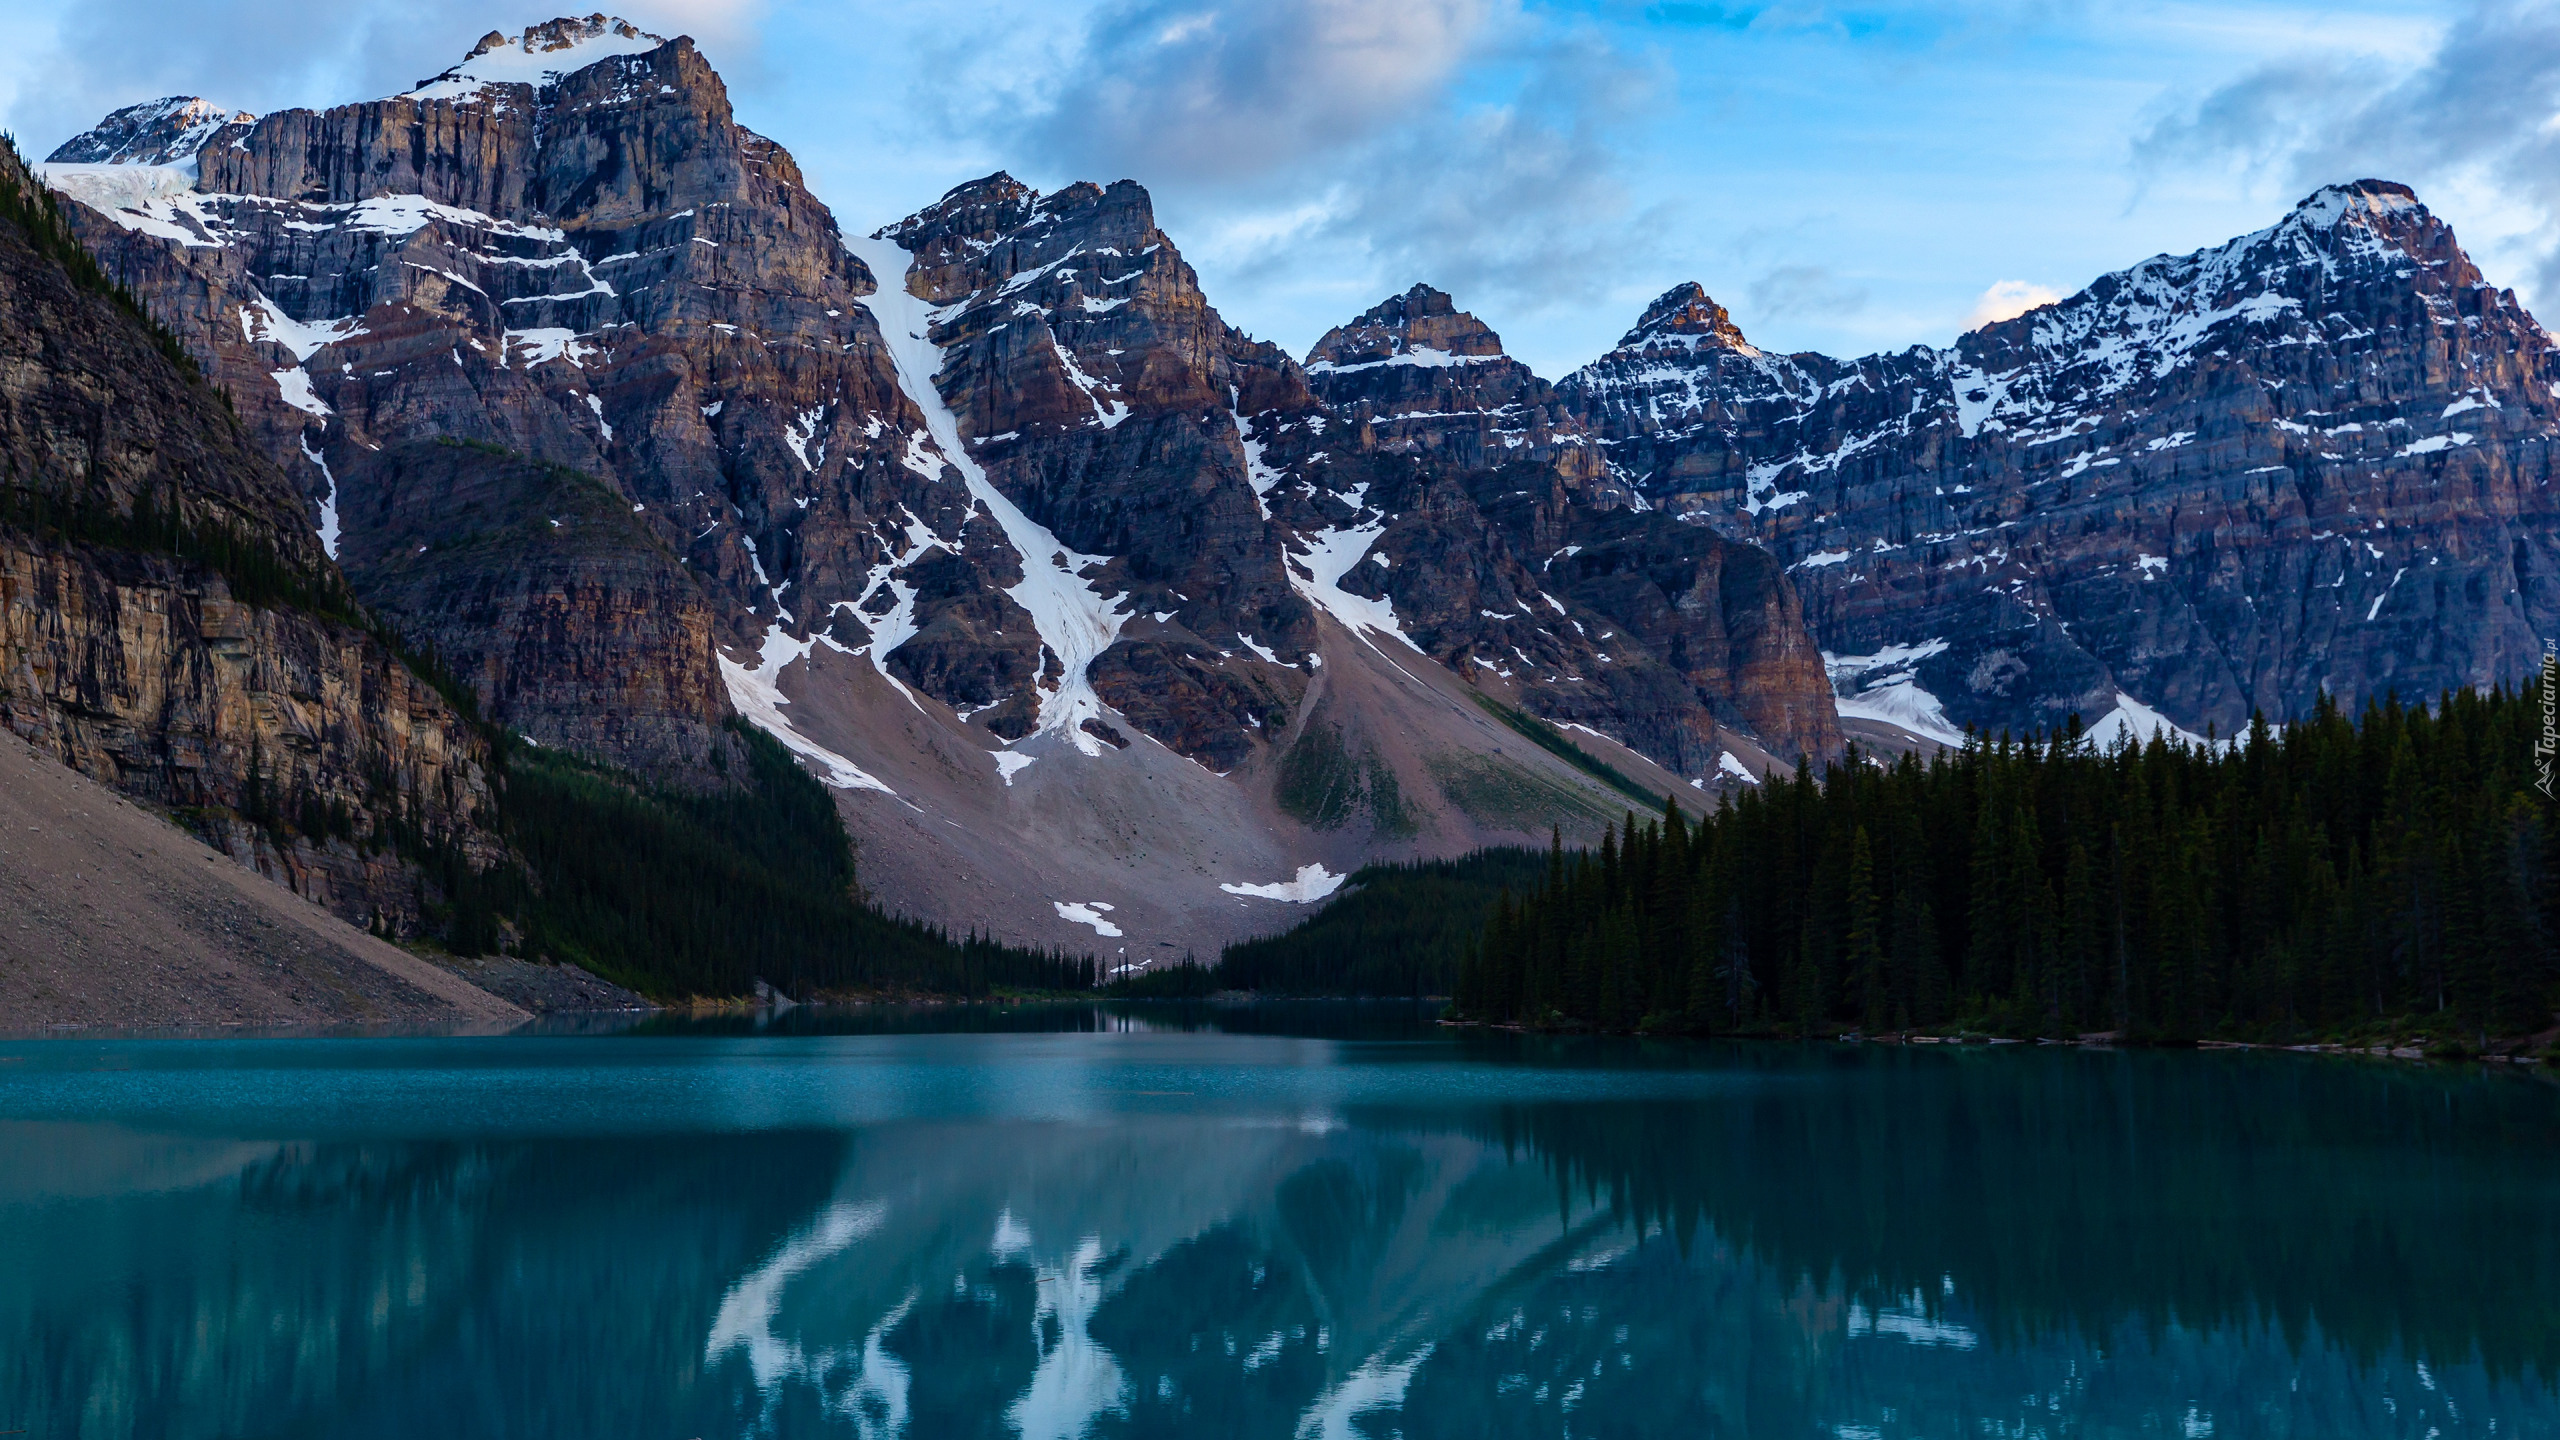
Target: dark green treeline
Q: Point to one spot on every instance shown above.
(2394, 869)
(1397, 929)
(677, 894)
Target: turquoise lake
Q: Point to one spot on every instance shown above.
(1311, 1222)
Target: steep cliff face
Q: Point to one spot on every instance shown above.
(2317, 457)
(1511, 552)
(1226, 498)
(565, 247)
(1096, 390)
(569, 617)
(168, 622)
(1419, 376)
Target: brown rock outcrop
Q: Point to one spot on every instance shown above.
(169, 625)
(537, 586)
(595, 267)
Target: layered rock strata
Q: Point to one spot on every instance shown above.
(170, 626)
(1510, 550)
(568, 249)
(569, 617)
(2316, 458)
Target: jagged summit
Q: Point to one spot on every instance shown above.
(1685, 311)
(1000, 204)
(1420, 326)
(167, 131)
(996, 224)
(539, 56)
(2332, 203)
(975, 210)
(999, 186)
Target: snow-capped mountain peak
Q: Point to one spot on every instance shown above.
(1684, 314)
(539, 56)
(167, 131)
(1422, 326)
(2197, 483)
(2363, 201)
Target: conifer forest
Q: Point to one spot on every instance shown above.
(2331, 876)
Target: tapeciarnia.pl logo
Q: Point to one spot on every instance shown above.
(2546, 747)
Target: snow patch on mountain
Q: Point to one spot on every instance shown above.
(897, 625)
(538, 57)
(1312, 883)
(1076, 621)
(155, 200)
(266, 320)
(1420, 356)
(1088, 913)
(294, 386)
(2134, 723)
(1885, 686)
(756, 693)
(539, 346)
(1316, 571)
(328, 527)
(1257, 471)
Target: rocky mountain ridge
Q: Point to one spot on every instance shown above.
(1099, 613)
(588, 392)
(2314, 458)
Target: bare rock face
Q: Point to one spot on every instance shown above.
(2314, 458)
(570, 618)
(567, 248)
(1230, 496)
(170, 626)
(1101, 394)
(1510, 551)
(1422, 322)
(1417, 375)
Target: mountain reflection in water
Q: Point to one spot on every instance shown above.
(1135, 1228)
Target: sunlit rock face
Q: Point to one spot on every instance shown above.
(2314, 458)
(170, 624)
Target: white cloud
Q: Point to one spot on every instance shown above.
(2471, 116)
(1230, 90)
(2007, 300)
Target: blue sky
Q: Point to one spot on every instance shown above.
(1844, 178)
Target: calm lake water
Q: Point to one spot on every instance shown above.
(1332, 1222)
